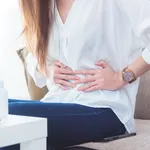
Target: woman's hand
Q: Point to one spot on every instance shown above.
(62, 74)
(104, 78)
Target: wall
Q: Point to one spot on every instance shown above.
(11, 69)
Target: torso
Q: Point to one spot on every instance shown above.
(64, 7)
(84, 32)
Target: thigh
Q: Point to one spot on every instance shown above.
(18, 100)
(71, 124)
(92, 126)
(42, 109)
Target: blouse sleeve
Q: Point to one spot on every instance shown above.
(39, 79)
(138, 14)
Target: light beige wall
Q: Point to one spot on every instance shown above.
(10, 66)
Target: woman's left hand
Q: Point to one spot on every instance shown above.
(104, 78)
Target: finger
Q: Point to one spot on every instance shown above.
(90, 85)
(64, 88)
(66, 77)
(86, 72)
(58, 63)
(66, 71)
(86, 80)
(102, 64)
(95, 88)
(64, 83)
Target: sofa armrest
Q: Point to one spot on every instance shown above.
(35, 92)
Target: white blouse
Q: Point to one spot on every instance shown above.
(117, 31)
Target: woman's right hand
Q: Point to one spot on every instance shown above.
(62, 74)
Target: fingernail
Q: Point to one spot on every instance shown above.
(77, 82)
(65, 88)
(99, 61)
(86, 91)
(80, 89)
(74, 86)
(77, 78)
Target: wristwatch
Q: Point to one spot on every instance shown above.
(128, 75)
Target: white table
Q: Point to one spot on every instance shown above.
(29, 132)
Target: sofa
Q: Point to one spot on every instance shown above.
(142, 113)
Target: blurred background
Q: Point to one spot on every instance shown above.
(11, 69)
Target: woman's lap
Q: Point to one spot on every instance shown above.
(71, 124)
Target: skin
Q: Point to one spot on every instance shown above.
(62, 74)
(104, 78)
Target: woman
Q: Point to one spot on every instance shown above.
(89, 54)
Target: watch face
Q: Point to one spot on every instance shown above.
(128, 76)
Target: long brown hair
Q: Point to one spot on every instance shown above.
(37, 21)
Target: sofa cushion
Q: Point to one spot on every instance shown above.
(142, 110)
(139, 142)
(35, 92)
